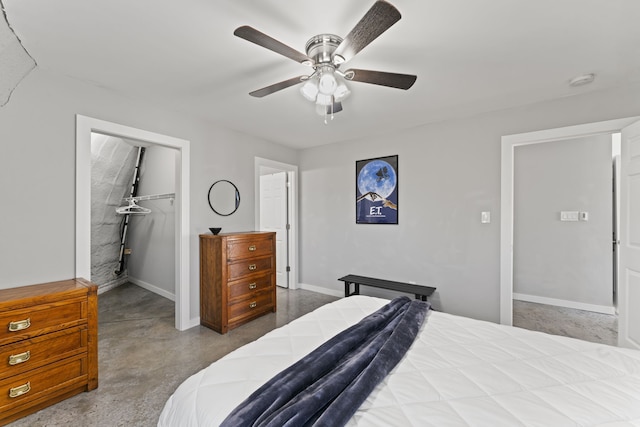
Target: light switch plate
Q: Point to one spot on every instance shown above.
(485, 217)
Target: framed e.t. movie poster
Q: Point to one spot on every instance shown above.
(377, 191)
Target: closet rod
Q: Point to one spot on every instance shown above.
(151, 197)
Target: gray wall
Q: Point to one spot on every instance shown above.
(152, 236)
(564, 260)
(449, 173)
(37, 134)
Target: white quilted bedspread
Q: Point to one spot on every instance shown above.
(459, 372)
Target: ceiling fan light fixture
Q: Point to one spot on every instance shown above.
(325, 53)
(309, 90)
(327, 84)
(341, 92)
(324, 100)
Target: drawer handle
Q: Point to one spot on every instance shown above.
(252, 267)
(20, 390)
(19, 325)
(16, 359)
(252, 286)
(252, 248)
(253, 304)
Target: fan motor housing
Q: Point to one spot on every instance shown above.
(321, 47)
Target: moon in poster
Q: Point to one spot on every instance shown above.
(378, 177)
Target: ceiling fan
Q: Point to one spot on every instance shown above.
(325, 53)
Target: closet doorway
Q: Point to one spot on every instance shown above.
(85, 126)
(276, 210)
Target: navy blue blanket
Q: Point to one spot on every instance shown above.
(326, 387)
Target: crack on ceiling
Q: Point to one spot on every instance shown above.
(15, 61)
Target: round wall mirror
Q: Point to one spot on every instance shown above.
(224, 197)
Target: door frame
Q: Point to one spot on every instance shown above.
(84, 127)
(292, 172)
(509, 144)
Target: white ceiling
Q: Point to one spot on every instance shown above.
(470, 56)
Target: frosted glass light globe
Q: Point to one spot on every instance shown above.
(328, 83)
(309, 90)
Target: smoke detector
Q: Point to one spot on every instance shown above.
(581, 80)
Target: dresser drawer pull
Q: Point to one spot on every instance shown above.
(20, 390)
(16, 359)
(252, 248)
(19, 325)
(253, 304)
(252, 267)
(252, 286)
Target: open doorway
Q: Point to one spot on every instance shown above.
(276, 210)
(509, 144)
(85, 126)
(132, 215)
(563, 223)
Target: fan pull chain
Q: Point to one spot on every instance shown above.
(325, 110)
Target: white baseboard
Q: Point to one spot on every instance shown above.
(112, 284)
(604, 309)
(193, 322)
(153, 288)
(321, 290)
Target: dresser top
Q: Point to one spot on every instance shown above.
(45, 292)
(239, 233)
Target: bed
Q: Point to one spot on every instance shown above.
(458, 372)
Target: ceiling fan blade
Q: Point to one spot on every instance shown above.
(395, 80)
(278, 86)
(376, 21)
(261, 39)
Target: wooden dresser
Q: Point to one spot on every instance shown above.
(48, 345)
(237, 278)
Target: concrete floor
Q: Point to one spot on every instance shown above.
(581, 324)
(143, 358)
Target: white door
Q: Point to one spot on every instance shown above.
(629, 248)
(273, 217)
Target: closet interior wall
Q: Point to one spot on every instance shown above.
(112, 164)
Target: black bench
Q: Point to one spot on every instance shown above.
(421, 292)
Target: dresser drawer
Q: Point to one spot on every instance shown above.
(248, 248)
(252, 266)
(246, 288)
(25, 323)
(30, 354)
(43, 382)
(258, 304)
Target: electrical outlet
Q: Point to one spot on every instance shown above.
(127, 251)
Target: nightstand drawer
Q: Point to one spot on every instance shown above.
(246, 288)
(252, 266)
(30, 354)
(25, 323)
(249, 248)
(40, 383)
